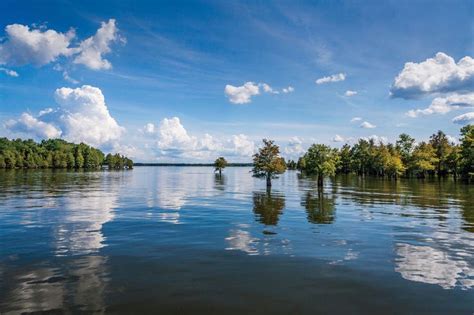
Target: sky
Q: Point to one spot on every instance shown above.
(188, 81)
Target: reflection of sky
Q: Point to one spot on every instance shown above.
(429, 265)
(80, 215)
(47, 288)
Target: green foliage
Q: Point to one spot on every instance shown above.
(467, 152)
(267, 162)
(118, 162)
(53, 153)
(405, 158)
(321, 160)
(440, 143)
(219, 164)
(291, 165)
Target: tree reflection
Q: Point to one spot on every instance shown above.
(319, 207)
(219, 182)
(268, 206)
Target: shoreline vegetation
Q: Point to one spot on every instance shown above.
(57, 154)
(439, 157)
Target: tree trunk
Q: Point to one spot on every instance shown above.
(269, 181)
(220, 172)
(320, 180)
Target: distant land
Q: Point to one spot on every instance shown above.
(192, 164)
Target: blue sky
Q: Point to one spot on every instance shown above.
(168, 64)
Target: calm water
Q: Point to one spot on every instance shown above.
(179, 240)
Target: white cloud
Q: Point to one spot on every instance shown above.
(241, 94)
(367, 125)
(173, 136)
(356, 119)
(444, 104)
(294, 147)
(332, 78)
(9, 72)
(440, 74)
(24, 45)
(338, 138)
(464, 119)
(31, 125)
(175, 143)
(82, 116)
(241, 145)
(68, 78)
(452, 139)
(350, 93)
(268, 89)
(376, 139)
(93, 48)
(149, 128)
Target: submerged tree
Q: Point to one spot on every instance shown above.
(220, 164)
(440, 143)
(467, 152)
(424, 159)
(321, 160)
(267, 162)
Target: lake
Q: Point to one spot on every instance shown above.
(180, 240)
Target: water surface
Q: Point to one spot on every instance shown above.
(181, 240)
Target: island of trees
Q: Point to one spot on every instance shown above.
(406, 158)
(57, 153)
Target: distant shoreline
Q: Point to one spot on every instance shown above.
(192, 164)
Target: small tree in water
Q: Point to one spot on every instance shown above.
(322, 161)
(268, 163)
(220, 164)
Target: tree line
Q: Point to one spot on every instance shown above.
(56, 153)
(405, 158)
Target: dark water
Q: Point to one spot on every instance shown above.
(179, 240)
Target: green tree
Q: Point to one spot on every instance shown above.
(467, 152)
(345, 158)
(440, 143)
(424, 159)
(322, 161)
(219, 164)
(267, 162)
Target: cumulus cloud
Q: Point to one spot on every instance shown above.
(149, 129)
(24, 45)
(294, 147)
(444, 104)
(82, 116)
(175, 143)
(173, 136)
(332, 78)
(356, 119)
(31, 125)
(350, 93)
(93, 48)
(9, 72)
(338, 138)
(464, 119)
(440, 74)
(241, 94)
(367, 125)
